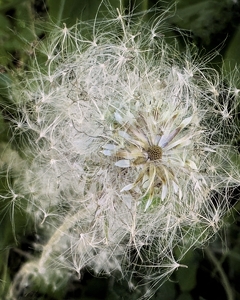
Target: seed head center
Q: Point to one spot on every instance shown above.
(154, 152)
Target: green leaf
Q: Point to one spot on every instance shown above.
(185, 296)
(232, 57)
(186, 277)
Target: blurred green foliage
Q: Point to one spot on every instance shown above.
(210, 25)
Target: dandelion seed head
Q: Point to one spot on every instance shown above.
(125, 143)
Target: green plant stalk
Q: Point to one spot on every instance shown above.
(224, 279)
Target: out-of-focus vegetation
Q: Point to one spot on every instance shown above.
(213, 273)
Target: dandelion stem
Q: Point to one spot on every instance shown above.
(145, 5)
(57, 235)
(224, 279)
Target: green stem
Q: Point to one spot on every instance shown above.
(4, 275)
(145, 5)
(57, 235)
(221, 272)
